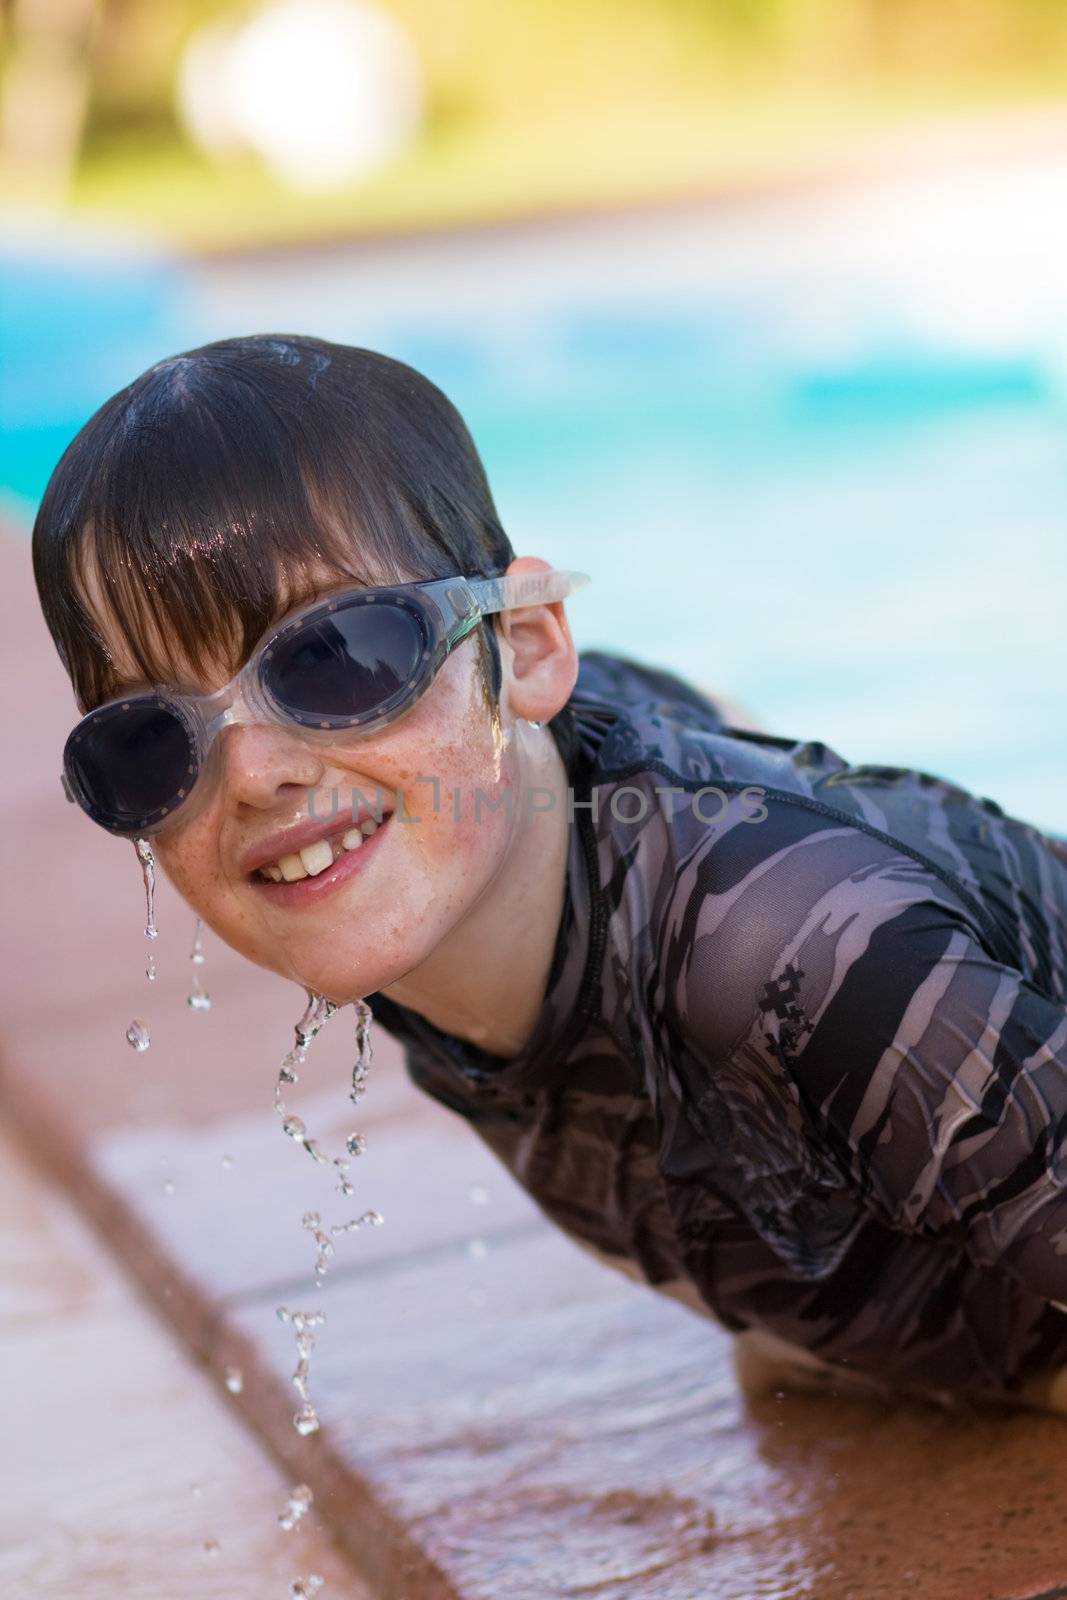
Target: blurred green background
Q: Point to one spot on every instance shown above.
(529, 105)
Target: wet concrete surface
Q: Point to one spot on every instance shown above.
(125, 1471)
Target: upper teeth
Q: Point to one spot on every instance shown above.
(315, 858)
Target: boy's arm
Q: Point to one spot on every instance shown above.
(940, 1077)
(843, 1017)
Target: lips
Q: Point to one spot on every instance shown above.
(318, 857)
(308, 890)
(326, 830)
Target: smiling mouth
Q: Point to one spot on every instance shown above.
(318, 857)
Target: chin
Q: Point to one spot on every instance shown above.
(343, 985)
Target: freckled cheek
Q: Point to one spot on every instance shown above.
(473, 854)
(192, 865)
(466, 816)
(443, 864)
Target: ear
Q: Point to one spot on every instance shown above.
(538, 655)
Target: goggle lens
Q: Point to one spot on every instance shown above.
(131, 763)
(348, 666)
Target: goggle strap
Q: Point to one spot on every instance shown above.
(524, 589)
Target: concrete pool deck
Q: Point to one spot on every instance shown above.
(124, 1471)
(503, 1417)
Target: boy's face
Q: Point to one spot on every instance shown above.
(361, 924)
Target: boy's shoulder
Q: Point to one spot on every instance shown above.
(644, 727)
(622, 681)
(631, 714)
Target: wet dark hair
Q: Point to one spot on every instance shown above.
(201, 495)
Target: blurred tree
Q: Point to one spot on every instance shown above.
(529, 102)
(47, 74)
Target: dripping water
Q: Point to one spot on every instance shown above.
(198, 999)
(318, 1013)
(297, 1506)
(313, 1223)
(369, 1219)
(306, 1420)
(148, 872)
(137, 1034)
(324, 1244)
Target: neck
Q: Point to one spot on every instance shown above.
(486, 983)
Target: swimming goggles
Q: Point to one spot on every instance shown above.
(354, 662)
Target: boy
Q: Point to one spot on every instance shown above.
(783, 1037)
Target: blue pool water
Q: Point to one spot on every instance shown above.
(848, 516)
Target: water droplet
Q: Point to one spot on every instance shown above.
(168, 1187)
(312, 1221)
(197, 999)
(148, 873)
(137, 1035)
(477, 1249)
(369, 1219)
(195, 1490)
(234, 1380)
(478, 1195)
(305, 1588)
(137, 1032)
(296, 1507)
(318, 1012)
(212, 1547)
(227, 1163)
(306, 1420)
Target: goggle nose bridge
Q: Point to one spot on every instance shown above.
(228, 707)
(213, 726)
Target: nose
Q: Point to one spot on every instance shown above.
(263, 767)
